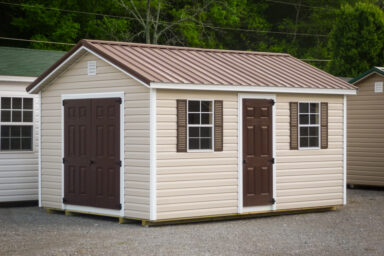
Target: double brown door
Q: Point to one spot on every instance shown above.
(257, 152)
(92, 152)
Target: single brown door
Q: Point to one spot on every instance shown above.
(92, 152)
(257, 152)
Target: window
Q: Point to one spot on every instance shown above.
(200, 125)
(309, 125)
(16, 123)
(378, 87)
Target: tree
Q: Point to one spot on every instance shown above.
(356, 42)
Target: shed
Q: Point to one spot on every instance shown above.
(19, 121)
(365, 130)
(159, 133)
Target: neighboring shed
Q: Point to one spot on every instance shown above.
(160, 133)
(19, 121)
(366, 130)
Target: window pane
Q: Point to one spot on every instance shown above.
(313, 141)
(304, 142)
(5, 131)
(16, 103)
(314, 131)
(304, 119)
(194, 106)
(304, 131)
(206, 144)
(206, 106)
(16, 116)
(27, 103)
(206, 118)
(314, 107)
(26, 131)
(6, 116)
(15, 131)
(27, 116)
(193, 118)
(193, 143)
(314, 119)
(193, 132)
(26, 144)
(15, 143)
(5, 144)
(303, 108)
(206, 132)
(5, 103)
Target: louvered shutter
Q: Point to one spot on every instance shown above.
(294, 140)
(324, 125)
(181, 126)
(218, 125)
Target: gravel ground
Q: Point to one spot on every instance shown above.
(356, 229)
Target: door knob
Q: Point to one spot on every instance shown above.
(91, 162)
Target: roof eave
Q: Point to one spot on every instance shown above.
(365, 74)
(252, 88)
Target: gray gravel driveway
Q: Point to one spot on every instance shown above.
(356, 229)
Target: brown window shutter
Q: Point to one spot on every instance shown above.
(324, 125)
(181, 126)
(294, 130)
(218, 129)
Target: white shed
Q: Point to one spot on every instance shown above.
(19, 121)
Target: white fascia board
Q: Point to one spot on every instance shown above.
(83, 48)
(26, 79)
(241, 88)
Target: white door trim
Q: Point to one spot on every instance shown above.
(122, 139)
(242, 96)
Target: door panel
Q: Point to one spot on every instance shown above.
(92, 152)
(257, 152)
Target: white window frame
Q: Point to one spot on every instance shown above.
(308, 125)
(201, 125)
(22, 123)
(378, 87)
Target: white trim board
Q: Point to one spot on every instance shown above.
(25, 79)
(39, 149)
(152, 157)
(240, 207)
(345, 152)
(122, 168)
(242, 88)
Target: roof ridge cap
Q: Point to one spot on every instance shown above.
(172, 47)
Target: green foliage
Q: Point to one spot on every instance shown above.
(357, 39)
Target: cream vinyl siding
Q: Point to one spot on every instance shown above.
(195, 183)
(18, 169)
(205, 183)
(309, 177)
(108, 79)
(366, 134)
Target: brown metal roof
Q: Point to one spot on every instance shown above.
(182, 65)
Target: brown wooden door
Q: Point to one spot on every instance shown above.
(257, 152)
(92, 152)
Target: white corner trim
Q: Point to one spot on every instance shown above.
(345, 152)
(122, 154)
(82, 48)
(241, 88)
(25, 79)
(153, 152)
(242, 96)
(39, 149)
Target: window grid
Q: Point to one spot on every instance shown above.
(22, 108)
(200, 125)
(312, 124)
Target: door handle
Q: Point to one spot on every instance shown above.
(91, 162)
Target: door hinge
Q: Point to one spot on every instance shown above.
(64, 200)
(63, 102)
(119, 163)
(272, 102)
(119, 206)
(119, 100)
(273, 201)
(63, 160)
(272, 161)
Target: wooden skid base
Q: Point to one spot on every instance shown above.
(147, 223)
(364, 186)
